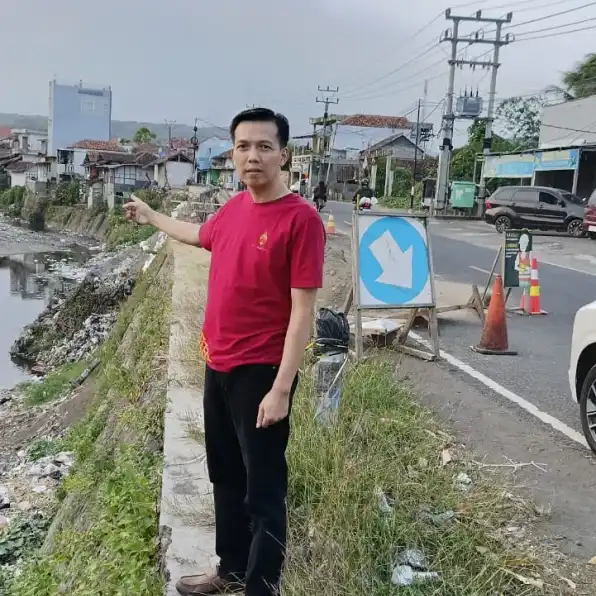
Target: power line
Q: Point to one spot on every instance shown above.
(395, 70)
(438, 16)
(543, 18)
(557, 34)
(550, 16)
(531, 8)
(366, 94)
(570, 129)
(553, 28)
(424, 70)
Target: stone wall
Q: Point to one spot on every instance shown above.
(186, 518)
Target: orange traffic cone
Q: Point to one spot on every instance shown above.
(522, 301)
(330, 225)
(494, 334)
(533, 303)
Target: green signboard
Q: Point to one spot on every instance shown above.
(517, 256)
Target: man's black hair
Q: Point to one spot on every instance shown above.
(264, 115)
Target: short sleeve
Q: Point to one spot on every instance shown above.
(207, 229)
(307, 252)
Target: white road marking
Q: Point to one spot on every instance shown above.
(479, 269)
(348, 223)
(553, 422)
(540, 259)
(544, 261)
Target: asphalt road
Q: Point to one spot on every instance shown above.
(461, 250)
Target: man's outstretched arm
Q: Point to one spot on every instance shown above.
(183, 231)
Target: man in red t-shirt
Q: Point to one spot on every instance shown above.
(267, 248)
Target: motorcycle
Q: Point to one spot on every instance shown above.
(365, 204)
(319, 203)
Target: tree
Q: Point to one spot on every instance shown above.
(462, 161)
(519, 118)
(144, 135)
(581, 81)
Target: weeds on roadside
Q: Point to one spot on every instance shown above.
(340, 540)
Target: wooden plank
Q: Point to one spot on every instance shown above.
(433, 329)
(348, 302)
(477, 302)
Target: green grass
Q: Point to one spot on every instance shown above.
(399, 202)
(120, 231)
(54, 385)
(43, 448)
(106, 542)
(340, 541)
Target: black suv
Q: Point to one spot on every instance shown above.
(535, 207)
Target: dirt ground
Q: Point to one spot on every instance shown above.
(21, 425)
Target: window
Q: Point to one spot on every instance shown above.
(89, 106)
(546, 198)
(503, 194)
(592, 199)
(126, 175)
(528, 195)
(571, 198)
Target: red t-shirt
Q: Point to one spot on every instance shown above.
(259, 251)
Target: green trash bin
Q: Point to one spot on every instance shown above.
(462, 195)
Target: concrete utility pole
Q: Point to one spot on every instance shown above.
(195, 145)
(454, 38)
(327, 98)
(416, 140)
(170, 124)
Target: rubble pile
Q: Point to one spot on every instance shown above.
(94, 331)
(73, 324)
(26, 491)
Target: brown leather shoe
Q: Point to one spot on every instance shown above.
(206, 584)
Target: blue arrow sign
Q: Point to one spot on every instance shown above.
(394, 264)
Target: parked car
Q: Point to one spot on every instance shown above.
(590, 217)
(582, 369)
(535, 208)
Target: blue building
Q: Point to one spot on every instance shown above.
(77, 112)
(210, 148)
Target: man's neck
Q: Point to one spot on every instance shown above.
(267, 194)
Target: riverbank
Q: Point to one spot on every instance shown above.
(94, 343)
(110, 489)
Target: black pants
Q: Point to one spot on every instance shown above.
(247, 466)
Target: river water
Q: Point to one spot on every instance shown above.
(27, 283)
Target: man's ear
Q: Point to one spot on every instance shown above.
(285, 155)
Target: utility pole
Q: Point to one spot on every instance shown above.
(327, 98)
(454, 38)
(488, 131)
(417, 140)
(169, 124)
(195, 145)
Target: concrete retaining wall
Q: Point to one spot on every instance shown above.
(186, 506)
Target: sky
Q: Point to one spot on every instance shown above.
(192, 58)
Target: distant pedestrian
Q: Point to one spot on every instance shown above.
(267, 246)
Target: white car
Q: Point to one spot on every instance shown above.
(582, 369)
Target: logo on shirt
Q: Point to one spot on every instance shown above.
(262, 241)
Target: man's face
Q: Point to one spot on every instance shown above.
(257, 153)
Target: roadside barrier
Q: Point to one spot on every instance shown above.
(494, 340)
(330, 228)
(533, 301)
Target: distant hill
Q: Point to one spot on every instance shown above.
(124, 129)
